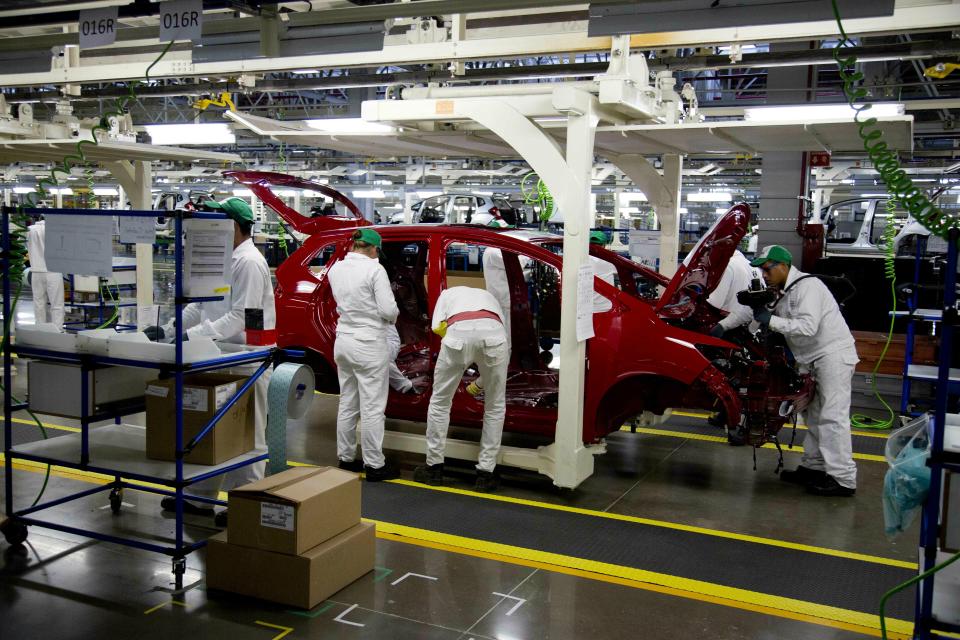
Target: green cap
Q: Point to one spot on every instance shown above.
(772, 253)
(498, 223)
(599, 237)
(368, 235)
(236, 208)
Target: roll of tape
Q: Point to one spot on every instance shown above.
(289, 396)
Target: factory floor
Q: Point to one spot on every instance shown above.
(674, 536)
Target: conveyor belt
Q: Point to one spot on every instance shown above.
(843, 588)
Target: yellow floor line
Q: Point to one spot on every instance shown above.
(693, 587)
(580, 573)
(76, 474)
(723, 439)
(639, 578)
(800, 425)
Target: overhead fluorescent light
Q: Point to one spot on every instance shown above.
(23, 190)
(873, 195)
(286, 193)
(720, 210)
(811, 112)
(368, 193)
(710, 196)
(354, 126)
(428, 194)
(303, 72)
(682, 210)
(242, 193)
(106, 191)
(847, 181)
(63, 191)
(483, 193)
(190, 134)
(632, 197)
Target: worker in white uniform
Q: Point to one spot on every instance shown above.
(398, 381)
(736, 278)
(809, 318)
(470, 321)
(604, 270)
(47, 286)
(225, 321)
(367, 309)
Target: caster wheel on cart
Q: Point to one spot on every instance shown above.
(116, 500)
(14, 532)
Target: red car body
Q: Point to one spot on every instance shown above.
(650, 352)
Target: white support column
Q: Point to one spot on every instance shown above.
(663, 192)
(135, 179)
(571, 465)
(669, 215)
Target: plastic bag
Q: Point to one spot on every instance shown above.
(907, 482)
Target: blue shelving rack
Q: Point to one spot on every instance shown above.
(172, 484)
(926, 626)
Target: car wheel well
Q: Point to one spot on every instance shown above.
(631, 396)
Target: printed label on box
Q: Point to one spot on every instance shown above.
(224, 393)
(277, 516)
(194, 399)
(160, 392)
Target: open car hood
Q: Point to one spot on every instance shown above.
(703, 267)
(262, 184)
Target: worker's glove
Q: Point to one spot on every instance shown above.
(762, 316)
(441, 330)
(717, 331)
(154, 333)
(474, 389)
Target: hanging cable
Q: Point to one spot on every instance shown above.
(538, 195)
(859, 420)
(885, 161)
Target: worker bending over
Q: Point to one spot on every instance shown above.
(225, 321)
(367, 308)
(470, 321)
(736, 278)
(47, 286)
(809, 318)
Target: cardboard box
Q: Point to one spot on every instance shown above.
(295, 510)
(303, 580)
(203, 395)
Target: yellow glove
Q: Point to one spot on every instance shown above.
(442, 329)
(474, 389)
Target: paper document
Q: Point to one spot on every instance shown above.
(80, 245)
(137, 230)
(208, 249)
(585, 277)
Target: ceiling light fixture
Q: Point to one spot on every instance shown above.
(812, 112)
(191, 134)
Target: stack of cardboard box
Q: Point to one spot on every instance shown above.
(295, 538)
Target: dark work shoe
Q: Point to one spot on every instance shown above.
(170, 504)
(386, 472)
(487, 481)
(355, 466)
(431, 474)
(828, 486)
(736, 437)
(221, 519)
(802, 475)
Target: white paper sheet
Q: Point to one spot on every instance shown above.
(137, 230)
(585, 277)
(80, 245)
(208, 249)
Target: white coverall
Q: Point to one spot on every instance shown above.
(223, 321)
(398, 381)
(367, 308)
(496, 282)
(810, 320)
(482, 341)
(736, 278)
(47, 286)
